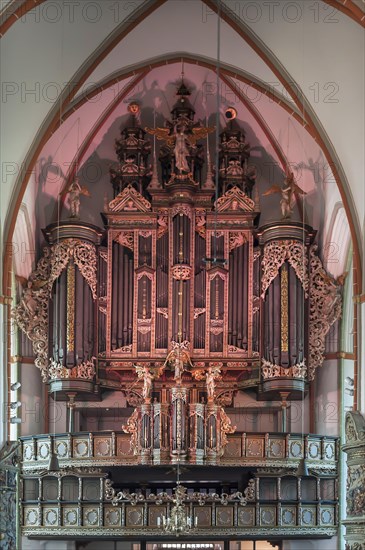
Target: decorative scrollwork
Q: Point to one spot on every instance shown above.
(84, 371)
(236, 239)
(132, 428)
(31, 314)
(226, 428)
(325, 308)
(248, 495)
(183, 209)
(269, 370)
(163, 311)
(200, 222)
(275, 254)
(84, 255)
(125, 238)
(181, 272)
(198, 311)
(235, 199)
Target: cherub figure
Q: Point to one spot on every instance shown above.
(74, 191)
(288, 191)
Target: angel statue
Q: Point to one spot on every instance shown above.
(178, 358)
(288, 191)
(181, 150)
(74, 190)
(212, 374)
(180, 140)
(146, 374)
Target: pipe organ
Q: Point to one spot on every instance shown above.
(181, 300)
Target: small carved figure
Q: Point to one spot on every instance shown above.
(234, 168)
(333, 298)
(181, 150)
(288, 191)
(178, 358)
(28, 301)
(212, 374)
(147, 375)
(74, 191)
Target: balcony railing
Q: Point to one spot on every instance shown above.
(111, 448)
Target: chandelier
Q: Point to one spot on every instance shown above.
(177, 520)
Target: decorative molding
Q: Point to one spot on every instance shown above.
(234, 200)
(129, 200)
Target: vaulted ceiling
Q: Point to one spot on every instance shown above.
(293, 70)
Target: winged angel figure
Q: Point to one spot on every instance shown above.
(212, 374)
(74, 190)
(180, 141)
(288, 191)
(147, 375)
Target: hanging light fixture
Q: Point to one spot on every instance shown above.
(177, 520)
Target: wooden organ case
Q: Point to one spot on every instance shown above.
(180, 302)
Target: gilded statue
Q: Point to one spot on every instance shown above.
(212, 374)
(147, 375)
(288, 191)
(180, 139)
(178, 358)
(74, 190)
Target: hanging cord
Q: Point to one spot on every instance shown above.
(217, 130)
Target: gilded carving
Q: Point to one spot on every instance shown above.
(200, 222)
(129, 200)
(325, 308)
(236, 239)
(125, 238)
(275, 254)
(84, 371)
(235, 199)
(284, 310)
(269, 370)
(181, 272)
